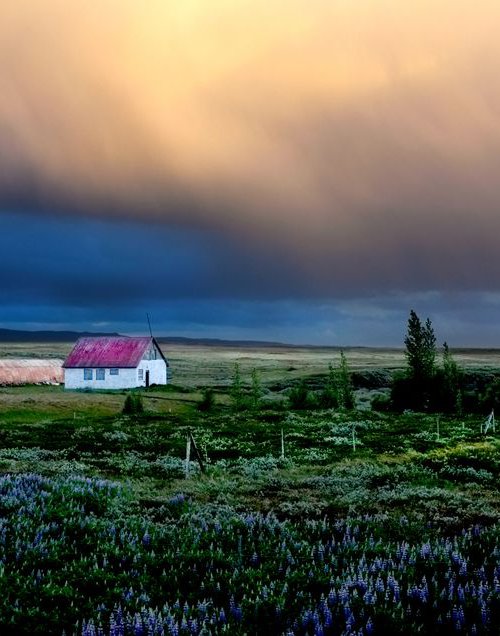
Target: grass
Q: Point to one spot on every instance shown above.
(47, 430)
(196, 366)
(403, 483)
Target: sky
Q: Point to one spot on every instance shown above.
(304, 171)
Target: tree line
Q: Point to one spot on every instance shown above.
(338, 392)
(429, 386)
(424, 385)
(432, 381)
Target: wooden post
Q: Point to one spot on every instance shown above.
(196, 451)
(354, 437)
(282, 445)
(437, 427)
(188, 454)
(490, 421)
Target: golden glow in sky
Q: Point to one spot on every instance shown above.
(327, 117)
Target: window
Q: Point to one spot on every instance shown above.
(114, 372)
(87, 374)
(140, 373)
(99, 374)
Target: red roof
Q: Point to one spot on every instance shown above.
(108, 351)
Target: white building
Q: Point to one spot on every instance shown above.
(115, 363)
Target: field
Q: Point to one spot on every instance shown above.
(304, 522)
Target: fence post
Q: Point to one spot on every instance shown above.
(282, 445)
(188, 454)
(196, 451)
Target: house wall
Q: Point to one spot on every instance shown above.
(126, 378)
(157, 371)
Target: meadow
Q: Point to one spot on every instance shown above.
(291, 529)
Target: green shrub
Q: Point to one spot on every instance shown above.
(207, 402)
(490, 399)
(381, 403)
(328, 398)
(300, 397)
(133, 404)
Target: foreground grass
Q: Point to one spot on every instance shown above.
(82, 556)
(98, 524)
(400, 463)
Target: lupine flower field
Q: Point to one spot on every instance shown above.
(73, 559)
(101, 533)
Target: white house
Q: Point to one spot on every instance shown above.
(115, 363)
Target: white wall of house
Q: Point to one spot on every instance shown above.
(126, 378)
(157, 372)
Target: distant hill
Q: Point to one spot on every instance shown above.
(217, 342)
(14, 335)
(20, 336)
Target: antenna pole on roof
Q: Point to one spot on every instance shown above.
(149, 323)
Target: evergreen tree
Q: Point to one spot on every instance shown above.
(420, 343)
(256, 390)
(452, 378)
(344, 390)
(416, 388)
(429, 349)
(237, 389)
(328, 397)
(133, 404)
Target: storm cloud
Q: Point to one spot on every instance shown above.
(277, 150)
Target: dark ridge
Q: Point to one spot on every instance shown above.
(218, 342)
(14, 335)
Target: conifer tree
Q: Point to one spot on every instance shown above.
(345, 393)
(237, 389)
(256, 390)
(420, 343)
(328, 397)
(452, 376)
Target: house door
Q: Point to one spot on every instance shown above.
(147, 379)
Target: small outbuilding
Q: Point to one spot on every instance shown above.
(18, 372)
(111, 362)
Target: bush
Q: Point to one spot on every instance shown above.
(328, 398)
(381, 403)
(490, 399)
(207, 402)
(405, 394)
(300, 397)
(133, 404)
(445, 396)
(432, 394)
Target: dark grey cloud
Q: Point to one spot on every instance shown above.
(344, 158)
(60, 272)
